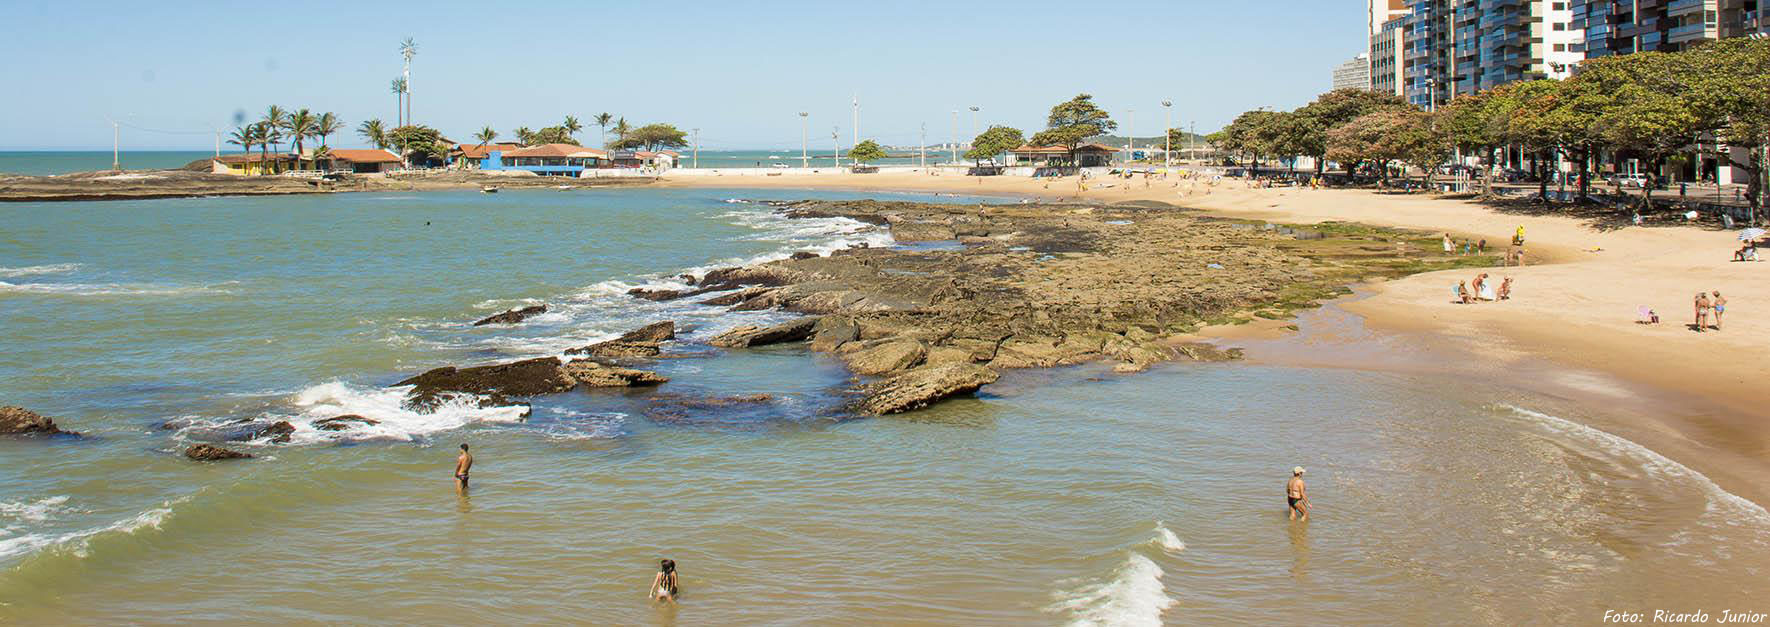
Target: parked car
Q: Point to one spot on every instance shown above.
(1631, 180)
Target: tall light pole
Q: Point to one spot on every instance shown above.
(924, 145)
(836, 138)
(955, 135)
(1192, 136)
(856, 141)
(804, 140)
(116, 141)
(973, 142)
(1168, 135)
(697, 148)
(1131, 139)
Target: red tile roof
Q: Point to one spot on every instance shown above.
(555, 151)
(364, 156)
(476, 151)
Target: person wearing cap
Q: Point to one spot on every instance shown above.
(1297, 494)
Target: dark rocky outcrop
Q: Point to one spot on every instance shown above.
(277, 432)
(530, 377)
(654, 332)
(209, 453)
(340, 423)
(747, 336)
(512, 316)
(642, 342)
(20, 421)
(655, 295)
(921, 387)
(711, 402)
(805, 254)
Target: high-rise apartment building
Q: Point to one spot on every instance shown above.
(1615, 27)
(1354, 74)
(1386, 61)
(1452, 47)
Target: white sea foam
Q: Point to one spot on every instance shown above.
(1134, 595)
(54, 268)
(77, 542)
(328, 400)
(37, 511)
(1734, 507)
(1165, 539)
(106, 289)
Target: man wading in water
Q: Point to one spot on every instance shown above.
(463, 464)
(1297, 494)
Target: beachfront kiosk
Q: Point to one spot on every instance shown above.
(546, 159)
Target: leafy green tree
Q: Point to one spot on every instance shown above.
(552, 135)
(245, 137)
(621, 130)
(524, 136)
(418, 142)
(266, 135)
(571, 127)
(300, 125)
(1517, 118)
(1472, 125)
(651, 137)
(1369, 138)
(1072, 122)
(1333, 110)
(373, 132)
(995, 141)
(485, 136)
(1649, 114)
(1730, 89)
(866, 151)
(275, 119)
(1420, 142)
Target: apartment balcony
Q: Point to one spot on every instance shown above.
(1686, 7)
(1692, 32)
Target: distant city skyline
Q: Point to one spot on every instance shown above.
(173, 74)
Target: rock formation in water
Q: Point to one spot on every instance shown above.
(209, 453)
(530, 377)
(921, 387)
(341, 423)
(638, 343)
(513, 316)
(20, 421)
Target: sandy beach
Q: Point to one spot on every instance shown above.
(1575, 303)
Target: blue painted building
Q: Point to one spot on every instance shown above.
(547, 159)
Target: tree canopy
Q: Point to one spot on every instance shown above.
(995, 141)
(651, 137)
(1073, 121)
(866, 151)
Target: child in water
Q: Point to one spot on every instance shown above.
(663, 586)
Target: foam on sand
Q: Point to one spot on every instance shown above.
(1734, 508)
(1133, 596)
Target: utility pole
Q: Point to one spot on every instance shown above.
(697, 148)
(1168, 135)
(924, 145)
(218, 144)
(955, 135)
(973, 142)
(804, 140)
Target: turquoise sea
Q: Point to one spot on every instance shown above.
(1068, 496)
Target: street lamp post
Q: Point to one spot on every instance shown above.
(836, 138)
(697, 148)
(1131, 137)
(973, 142)
(804, 140)
(1168, 135)
(955, 135)
(923, 145)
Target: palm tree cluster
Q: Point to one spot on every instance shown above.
(563, 133)
(280, 124)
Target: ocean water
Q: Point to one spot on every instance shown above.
(1071, 496)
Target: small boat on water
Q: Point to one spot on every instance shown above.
(562, 188)
(489, 189)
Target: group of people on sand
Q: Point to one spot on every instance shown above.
(663, 585)
(1706, 306)
(1483, 290)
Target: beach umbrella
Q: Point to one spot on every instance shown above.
(1751, 234)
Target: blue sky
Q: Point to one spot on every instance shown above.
(739, 70)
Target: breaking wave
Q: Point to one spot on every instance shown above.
(385, 406)
(55, 268)
(1133, 595)
(77, 542)
(107, 289)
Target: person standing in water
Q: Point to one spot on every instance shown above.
(663, 586)
(1297, 494)
(463, 465)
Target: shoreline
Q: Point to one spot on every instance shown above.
(161, 184)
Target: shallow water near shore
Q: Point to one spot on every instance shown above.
(1072, 495)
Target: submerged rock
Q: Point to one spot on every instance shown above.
(513, 316)
(654, 332)
(655, 295)
(924, 386)
(209, 453)
(340, 423)
(20, 421)
(278, 432)
(746, 336)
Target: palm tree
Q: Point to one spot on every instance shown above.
(571, 125)
(398, 87)
(326, 125)
(372, 132)
(524, 136)
(275, 118)
(245, 137)
(321, 154)
(622, 129)
(267, 135)
(602, 120)
(408, 49)
(485, 136)
(300, 126)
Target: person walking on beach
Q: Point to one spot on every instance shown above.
(1720, 304)
(1297, 494)
(1447, 244)
(1702, 311)
(663, 586)
(463, 465)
